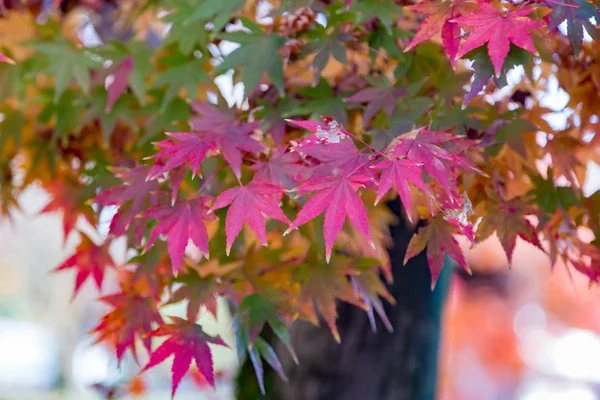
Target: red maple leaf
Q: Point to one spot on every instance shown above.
(338, 198)
(426, 149)
(498, 31)
(438, 236)
(184, 147)
(69, 197)
(118, 86)
(282, 168)
(132, 317)
(89, 260)
(399, 172)
(131, 196)
(508, 220)
(181, 223)
(231, 137)
(187, 341)
(249, 203)
(440, 19)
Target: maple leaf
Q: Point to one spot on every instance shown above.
(441, 15)
(282, 168)
(132, 317)
(338, 198)
(253, 313)
(181, 223)
(90, 260)
(438, 237)
(198, 292)
(187, 341)
(371, 289)
(498, 31)
(69, 197)
(399, 172)
(249, 203)
(231, 137)
(118, 86)
(258, 55)
(508, 220)
(322, 284)
(578, 15)
(377, 99)
(332, 147)
(185, 147)
(130, 196)
(426, 149)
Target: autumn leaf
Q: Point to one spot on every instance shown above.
(198, 292)
(187, 341)
(398, 172)
(427, 149)
(322, 284)
(118, 86)
(578, 15)
(498, 31)
(377, 99)
(438, 237)
(232, 138)
(131, 318)
(338, 198)
(440, 19)
(184, 148)
(283, 168)
(180, 223)
(130, 196)
(90, 260)
(70, 198)
(508, 220)
(249, 203)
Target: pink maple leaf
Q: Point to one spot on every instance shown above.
(181, 223)
(338, 198)
(6, 59)
(118, 86)
(231, 137)
(130, 196)
(398, 173)
(249, 203)
(282, 168)
(441, 15)
(183, 148)
(187, 341)
(498, 31)
(426, 148)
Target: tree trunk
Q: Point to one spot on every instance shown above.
(366, 365)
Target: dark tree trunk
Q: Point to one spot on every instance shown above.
(366, 365)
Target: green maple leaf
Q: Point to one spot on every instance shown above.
(326, 43)
(11, 126)
(64, 112)
(168, 120)
(258, 55)
(67, 63)
(181, 72)
(321, 100)
(185, 30)
(122, 109)
(218, 10)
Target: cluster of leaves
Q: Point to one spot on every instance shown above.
(136, 120)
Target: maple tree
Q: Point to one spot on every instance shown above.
(345, 106)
